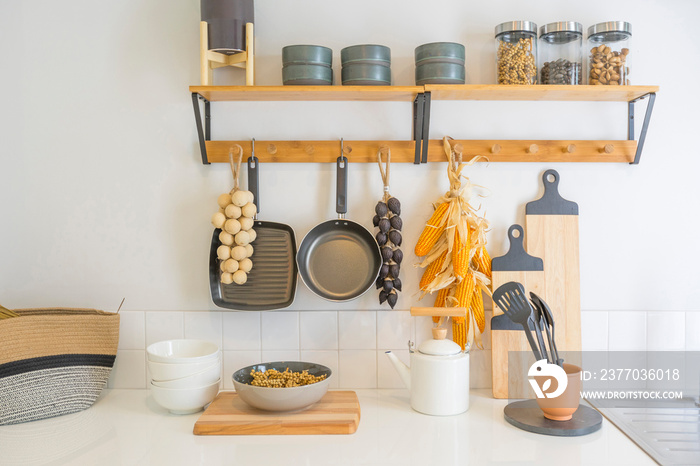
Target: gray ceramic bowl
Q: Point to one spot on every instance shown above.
(361, 74)
(440, 52)
(366, 54)
(281, 399)
(307, 54)
(307, 75)
(440, 73)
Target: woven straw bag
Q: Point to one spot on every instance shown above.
(54, 361)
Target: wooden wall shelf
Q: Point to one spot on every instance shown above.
(421, 149)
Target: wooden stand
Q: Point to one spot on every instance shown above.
(210, 59)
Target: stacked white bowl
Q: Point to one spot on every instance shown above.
(184, 374)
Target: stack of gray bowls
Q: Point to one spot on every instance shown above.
(366, 65)
(307, 65)
(440, 63)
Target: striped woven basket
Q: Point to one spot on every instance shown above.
(54, 361)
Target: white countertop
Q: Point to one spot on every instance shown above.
(126, 427)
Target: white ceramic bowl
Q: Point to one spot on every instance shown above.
(162, 371)
(182, 351)
(185, 400)
(206, 377)
(281, 399)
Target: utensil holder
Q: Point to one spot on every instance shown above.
(54, 361)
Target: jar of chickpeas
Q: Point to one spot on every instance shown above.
(516, 52)
(609, 48)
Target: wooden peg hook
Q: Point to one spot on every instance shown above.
(496, 148)
(532, 149)
(608, 149)
(383, 149)
(570, 149)
(271, 149)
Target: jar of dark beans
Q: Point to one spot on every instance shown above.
(561, 55)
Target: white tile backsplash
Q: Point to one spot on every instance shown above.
(665, 331)
(204, 326)
(129, 370)
(318, 330)
(480, 368)
(692, 331)
(132, 330)
(594, 331)
(357, 330)
(394, 329)
(627, 331)
(164, 325)
(280, 331)
(357, 368)
(353, 343)
(241, 330)
(234, 360)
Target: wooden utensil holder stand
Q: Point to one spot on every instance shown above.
(210, 59)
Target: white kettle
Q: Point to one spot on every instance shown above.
(438, 377)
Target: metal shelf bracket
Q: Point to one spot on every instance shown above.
(203, 128)
(645, 124)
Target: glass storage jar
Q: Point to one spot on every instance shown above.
(560, 53)
(516, 52)
(608, 60)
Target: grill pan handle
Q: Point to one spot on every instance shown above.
(253, 179)
(341, 193)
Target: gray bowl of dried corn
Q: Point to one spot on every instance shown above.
(282, 385)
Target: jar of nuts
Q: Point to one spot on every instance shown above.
(561, 55)
(609, 45)
(516, 52)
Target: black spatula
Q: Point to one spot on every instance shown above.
(510, 297)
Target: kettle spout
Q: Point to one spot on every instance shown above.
(403, 370)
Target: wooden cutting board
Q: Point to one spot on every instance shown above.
(552, 234)
(518, 266)
(338, 412)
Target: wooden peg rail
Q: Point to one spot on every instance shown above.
(622, 151)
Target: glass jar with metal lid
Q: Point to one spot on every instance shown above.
(609, 45)
(516, 52)
(561, 55)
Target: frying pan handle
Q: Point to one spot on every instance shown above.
(341, 190)
(253, 178)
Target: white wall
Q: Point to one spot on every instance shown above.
(103, 194)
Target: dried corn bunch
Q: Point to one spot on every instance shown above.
(453, 246)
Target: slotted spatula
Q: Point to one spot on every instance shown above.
(510, 297)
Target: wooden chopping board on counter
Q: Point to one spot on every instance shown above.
(552, 234)
(338, 412)
(515, 266)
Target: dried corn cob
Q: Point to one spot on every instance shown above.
(432, 231)
(465, 291)
(440, 301)
(432, 271)
(460, 256)
(459, 331)
(477, 309)
(482, 262)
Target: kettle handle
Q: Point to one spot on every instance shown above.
(439, 311)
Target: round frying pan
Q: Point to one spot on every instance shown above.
(339, 259)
